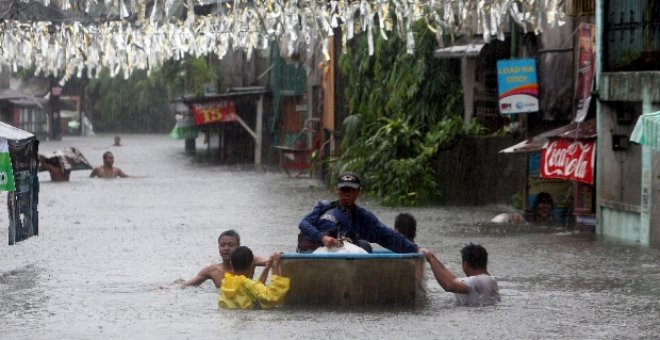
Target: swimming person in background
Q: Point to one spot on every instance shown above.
(406, 225)
(108, 170)
(479, 288)
(239, 291)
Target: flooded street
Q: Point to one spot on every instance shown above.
(109, 251)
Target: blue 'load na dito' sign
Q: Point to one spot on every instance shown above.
(517, 86)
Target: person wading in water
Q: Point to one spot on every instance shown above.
(107, 170)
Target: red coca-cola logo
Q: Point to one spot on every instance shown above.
(568, 159)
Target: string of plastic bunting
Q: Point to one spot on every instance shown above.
(69, 49)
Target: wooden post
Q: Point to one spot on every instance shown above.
(258, 130)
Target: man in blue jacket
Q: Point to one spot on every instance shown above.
(362, 226)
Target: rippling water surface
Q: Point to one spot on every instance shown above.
(110, 250)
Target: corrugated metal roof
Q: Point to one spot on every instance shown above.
(235, 92)
(20, 98)
(458, 51)
(11, 94)
(26, 102)
(574, 130)
(584, 130)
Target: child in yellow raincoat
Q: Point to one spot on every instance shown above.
(239, 291)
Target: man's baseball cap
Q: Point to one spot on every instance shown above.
(348, 180)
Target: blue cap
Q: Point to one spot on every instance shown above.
(348, 180)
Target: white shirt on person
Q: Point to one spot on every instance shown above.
(483, 291)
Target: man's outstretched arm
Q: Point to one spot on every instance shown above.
(121, 173)
(198, 279)
(445, 278)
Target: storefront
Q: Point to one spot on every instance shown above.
(561, 173)
(232, 121)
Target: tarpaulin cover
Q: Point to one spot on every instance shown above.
(185, 128)
(69, 159)
(23, 200)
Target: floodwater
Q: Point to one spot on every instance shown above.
(109, 251)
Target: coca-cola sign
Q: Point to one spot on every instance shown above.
(568, 159)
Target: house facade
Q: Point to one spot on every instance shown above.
(628, 85)
(25, 112)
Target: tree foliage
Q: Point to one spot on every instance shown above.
(403, 109)
(141, 103)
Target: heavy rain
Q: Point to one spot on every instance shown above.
(478, 118)
(109, 253)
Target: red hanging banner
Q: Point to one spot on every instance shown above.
(568, 159)
(586, 67)
(219, 111)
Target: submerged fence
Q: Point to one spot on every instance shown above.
(473, 172)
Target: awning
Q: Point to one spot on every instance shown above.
(21, 99)
(11, 94)
(647, 130)
(575, 130)
(458, 51)
(27, 102)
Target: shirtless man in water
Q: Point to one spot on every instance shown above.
(228, 241)
(107, 170)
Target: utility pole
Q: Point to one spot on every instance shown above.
(55, 129)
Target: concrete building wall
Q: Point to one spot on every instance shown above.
(619, 166)
(619, 223)
(655, 202)
(623, 97)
